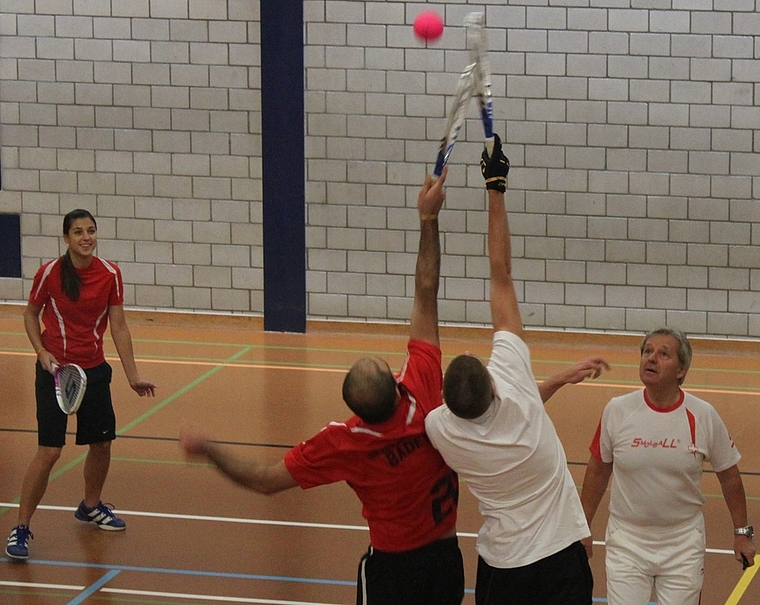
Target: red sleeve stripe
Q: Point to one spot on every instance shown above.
(595, 448)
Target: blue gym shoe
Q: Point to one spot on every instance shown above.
(18, 542)
(101, 515)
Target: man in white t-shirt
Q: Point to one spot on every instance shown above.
(655, 441)
(494, 432)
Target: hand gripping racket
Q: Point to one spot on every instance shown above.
(476, 42)
(70, 385)
(456, 118)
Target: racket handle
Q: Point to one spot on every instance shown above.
(485, 116)
(745, 562)
(439, 164)
(490, 141)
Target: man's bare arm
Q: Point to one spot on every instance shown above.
(261, 478)
(424, 321)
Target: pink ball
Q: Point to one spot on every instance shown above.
(428, 26)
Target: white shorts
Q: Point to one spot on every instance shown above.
(668, 560)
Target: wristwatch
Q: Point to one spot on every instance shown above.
(748, 531)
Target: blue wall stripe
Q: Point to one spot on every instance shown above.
(283, 173)
(10, 248)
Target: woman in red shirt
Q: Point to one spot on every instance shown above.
(75, 296)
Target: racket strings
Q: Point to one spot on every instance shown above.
(71, 387)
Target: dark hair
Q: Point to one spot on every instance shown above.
(369, 390)
(684, 346)
(467, 387)
(70, 280)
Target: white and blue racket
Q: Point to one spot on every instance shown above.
(457, 115)
(476, 42)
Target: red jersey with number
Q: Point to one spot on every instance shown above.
(74, 329)
(409, 495)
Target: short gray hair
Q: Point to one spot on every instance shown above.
(684, 346)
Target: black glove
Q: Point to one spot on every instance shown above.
(495, 167)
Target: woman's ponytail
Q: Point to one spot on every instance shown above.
(70, 280)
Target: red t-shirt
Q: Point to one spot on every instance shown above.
(409, 495)
(74, 330)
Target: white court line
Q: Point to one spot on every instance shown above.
(717, 551)
(136, 513)
(38, 585)
(176, 595)
(152, 593)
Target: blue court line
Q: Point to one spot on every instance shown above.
(93, 588)
(114, 569)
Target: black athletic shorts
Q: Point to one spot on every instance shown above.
(431, 575)
(96, 421)
(563, 578)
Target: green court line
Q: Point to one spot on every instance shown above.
(341, 350)
(79, 459)
(636, 384)
(224, 344)
(248, 348)
(161, 462)
(181, 392)
(293, 364)
(634, 366)
(296, 364)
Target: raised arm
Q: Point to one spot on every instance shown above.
(262, 478)
(505, 311)
(424, 321)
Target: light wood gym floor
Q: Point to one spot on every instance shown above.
(193, 537)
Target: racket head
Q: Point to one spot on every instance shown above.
(70, 385)
(456, 118)
(476, 42)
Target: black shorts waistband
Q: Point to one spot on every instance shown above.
(440, 544)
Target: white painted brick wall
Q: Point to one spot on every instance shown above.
(634, 198)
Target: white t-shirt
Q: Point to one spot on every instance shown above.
(514, 464)
(658, 455)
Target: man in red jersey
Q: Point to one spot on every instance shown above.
(409, 496)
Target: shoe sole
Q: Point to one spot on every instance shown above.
(17, 557)
(112, 528)
(102, 526)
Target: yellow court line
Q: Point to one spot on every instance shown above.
(264, 366)
(223, 364)
(742, 585)
(255, 366)
(633, 387)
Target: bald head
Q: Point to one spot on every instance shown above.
(369, 390)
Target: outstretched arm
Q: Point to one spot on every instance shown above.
(587, 368)
(424, 321)
(262, 478)
(505, 310)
